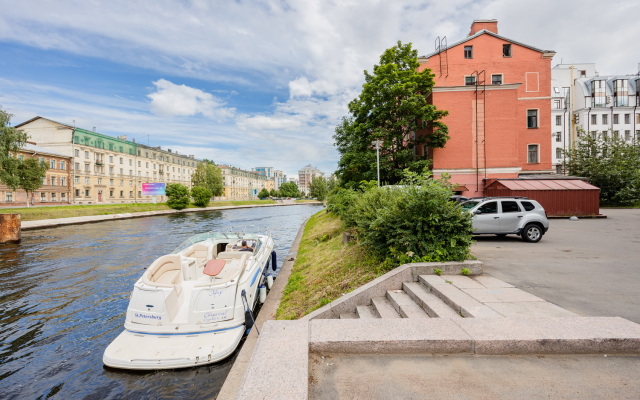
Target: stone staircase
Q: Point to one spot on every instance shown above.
(455, 296)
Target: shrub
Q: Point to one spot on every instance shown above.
(264, 193)
(413, 222)
(201, 196)
(177, 196)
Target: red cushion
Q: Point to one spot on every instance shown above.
(214, 267)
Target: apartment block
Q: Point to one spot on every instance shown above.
(106, 169)
(240, 184)
(496, 91)
(306, 175)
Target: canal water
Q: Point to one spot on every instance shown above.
(64, 293)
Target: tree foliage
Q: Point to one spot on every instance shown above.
(264, 193)
(15, 172)
(609, 163)
(201, 196)
(393, 108)
(177, 196)
(318, 188)
(208, 175)
(289, 189)
(414, 222)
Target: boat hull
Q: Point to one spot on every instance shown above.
(143, 351)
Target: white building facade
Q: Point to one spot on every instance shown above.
(585, 103)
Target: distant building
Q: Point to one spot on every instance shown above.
(240, 184)
(56, 185)
(278, 176)
(306, 175)
(109, 169)
(585, 103)
(497, 93)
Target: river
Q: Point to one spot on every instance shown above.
(64, 293)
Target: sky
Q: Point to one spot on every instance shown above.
(258, 83)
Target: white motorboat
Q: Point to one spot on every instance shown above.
(192, 307)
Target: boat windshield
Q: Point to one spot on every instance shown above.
(218, 237)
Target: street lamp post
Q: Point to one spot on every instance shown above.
(377, 143)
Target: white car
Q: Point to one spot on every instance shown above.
(508, 215)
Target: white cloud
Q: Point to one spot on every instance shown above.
(170, 100)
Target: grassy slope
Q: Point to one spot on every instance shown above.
(325, 268)
(38, 213)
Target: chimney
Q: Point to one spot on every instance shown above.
(479, 24)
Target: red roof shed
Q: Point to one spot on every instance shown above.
(559, 197)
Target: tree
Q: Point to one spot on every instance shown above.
(208, 175)
(393, 108)
(25, 173)
(177, 196)
(609, 163)
(264, 193)
(289, 189)
(201, 196)
(273, 193)
(318, 188)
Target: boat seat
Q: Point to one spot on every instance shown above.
(214, 267)
(233, 254)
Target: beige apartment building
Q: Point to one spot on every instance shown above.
(306, 175)
(106, 169)
(240, 184)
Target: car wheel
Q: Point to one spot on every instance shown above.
(531, 233)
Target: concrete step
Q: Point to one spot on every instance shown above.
(383, 308)
(432, 304)
(366, 312)
(467, 306)
(404, 305)
(348, 316)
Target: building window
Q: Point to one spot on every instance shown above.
(63, 165)
(506, 50)
(77, 153)
(594, 119)
(558, 120)
(605, 119)
(532, 153)
(52, 164)
(53, 197)
(99, 181)
(63, 181)
(558, 152)
(111, 159)
(122, 193)
(53, 181)
(86, 154)
(627, 135)
(583, 73)
(77, 192)
(131, 194)
(620, 93)
(76, 179)
(43, 197)
(86, 193)
(468, 51)
(598, 93)
(627, 118)
(557, 104)
(9, 197)
(121, 161)
(63, 197)
(496, 79)
(615, 119)
(532, 118)
(558, 136)
(468, 81)
(110, 182)
(86, 180)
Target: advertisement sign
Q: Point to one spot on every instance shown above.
(154, 189)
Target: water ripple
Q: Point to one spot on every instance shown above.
(64, 293)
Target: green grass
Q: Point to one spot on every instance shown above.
(38, 213)
(325, 268)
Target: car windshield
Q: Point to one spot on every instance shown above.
(468, 205)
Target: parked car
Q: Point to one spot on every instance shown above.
(458, 198)
(508, 215)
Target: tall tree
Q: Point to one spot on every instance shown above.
(609, 163)
(17, 172)
(208, 175)
(318, 188)
(393, 107)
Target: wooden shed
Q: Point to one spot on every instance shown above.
(559, 197)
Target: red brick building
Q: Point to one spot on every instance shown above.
(497, 92)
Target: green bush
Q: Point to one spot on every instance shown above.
(264, 193)
(201, 196)
(413, 222)
(177, 196)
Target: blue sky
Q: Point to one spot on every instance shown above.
(257, 83)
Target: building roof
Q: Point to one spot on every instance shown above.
(545, 184)
(483, 32)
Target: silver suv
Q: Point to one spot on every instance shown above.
(508, 215)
